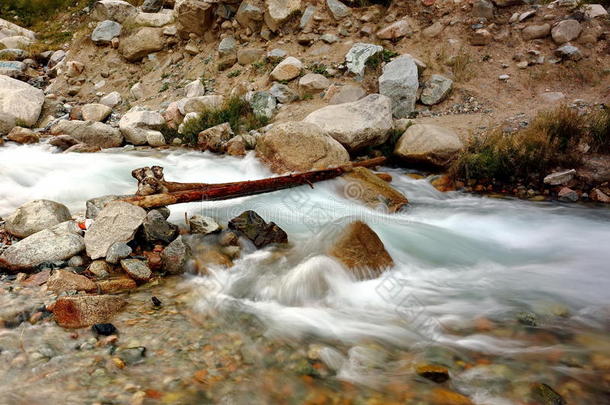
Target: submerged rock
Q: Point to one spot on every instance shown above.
(360, 249)
(251, 226)
(365, 186)
(35, 216)
(87, 310)
(546, 395)
(58, 243)
(432, 372)
(116, 222)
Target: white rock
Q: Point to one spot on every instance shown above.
(95, 112)
(428, 144)
(112, 99)
(20, 101)
(136, 123)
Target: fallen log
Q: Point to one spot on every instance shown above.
(154, 191)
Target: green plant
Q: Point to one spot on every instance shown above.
(164, 87)
(387, 55)
(234, 73)
(600, 130)
(318, 68)
(305, 97)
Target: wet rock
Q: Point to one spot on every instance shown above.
(90, 133)
(345, 94)
(104, 329)
(116, 222)
(34, 216)
(428, 145)
(566, 194)
(118, 251)
(279, 11)
(116, 285)
(176, 256)
(100, 269)
(105, 32)
(287, 69)
(299, 146)
(527, 318)
(283, 93)
(313, 83)
(358, 55)
(448, 397)
(338, 10)
(560, 178)
(115, 10)
(63, 142)
(137, 124)
(566, 31)
(251, 226)
(136, 269)
(215, 139)
(141, 43)
(536, 31)
(436, 89)
(545, 395)
(199, 224)
(87, 310)
(263, 104)
(359, 248)
(365, 186)
(64, 280)
(400, 82)
(228, 238)
(95, 112)
(132, 355)
(433, 372)
(599, 196)
(356, 125)
(22, 136)
(157, 229)
(19, 101)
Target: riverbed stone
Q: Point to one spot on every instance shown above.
(176, 256)
(89, 132)
(283, 93)
(199, 224)
(136, 269)
(566, 194)
(400, 82)
(436, 89)
(95, 112)
(313, 83)
(116, 222)
(114, 10)
(358, 55)
(34, 216)
(105, 32)
(118, 251)
(136, 124)
(86, 310)
(299, 147)
(279, 11)
(253, 227)
(23, 135)
(536, 31)
(364, 185)
(566, 31)
(560, 178)
(287, 69)
(20, 101)
(65, 280)
(361, 250)
(157, 229)
(356, 125)
(58, 243)
(428, 145)
(141, 43)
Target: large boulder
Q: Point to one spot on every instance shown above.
(58, 243)
(299, 147)
(143, 42)
(16, 42)
(428, 145)
(118, 221)
(279, 11)
(400, 82)
(359, 248)
(86, 310)
(89, 132)
(20, 101)
(34, 216)
(365, 186)
(356, 125)
(566, 31)
(114, 10)
(157, 229)
(14, 69)
(252, 226)
(95, 112)
(105, 32)
(9, 29)
(193, 16)
(137, 125)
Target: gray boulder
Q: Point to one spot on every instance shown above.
(143, 42)
(203, 225)
(283, 93)
(137, 124)
(116, 222)
(58, 243)
(436, 89)
(89, 132)
(429, 145)
(136, 269)
(400, 82)
(358, 55)
(356, 125)
(560, 178)
(176, 256)
(347, 94)
(118, 251)
(338, 9)
(156, 228)
(566, 31)
(34, 216)
(105, 32)
(263, 104)
(20, 101)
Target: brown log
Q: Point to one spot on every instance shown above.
(224, 191)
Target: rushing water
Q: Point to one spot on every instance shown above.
(461, 260)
